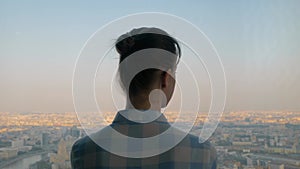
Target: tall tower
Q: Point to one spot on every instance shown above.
(45, 139)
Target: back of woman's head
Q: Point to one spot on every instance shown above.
(140, 39)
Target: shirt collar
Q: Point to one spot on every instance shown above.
(134, 116)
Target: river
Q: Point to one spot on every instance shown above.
(24, 162)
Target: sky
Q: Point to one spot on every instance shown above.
(258, 43)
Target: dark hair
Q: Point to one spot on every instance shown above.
(144, 38)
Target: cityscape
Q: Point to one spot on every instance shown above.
(59, 57)
(243, 139)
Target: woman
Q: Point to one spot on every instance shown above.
(148, 59)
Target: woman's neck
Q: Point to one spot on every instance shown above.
(142, 103)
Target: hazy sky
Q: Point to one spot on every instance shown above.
(258, 42)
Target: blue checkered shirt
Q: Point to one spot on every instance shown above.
(187, 154)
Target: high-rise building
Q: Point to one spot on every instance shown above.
(75, 132)
(45, 139)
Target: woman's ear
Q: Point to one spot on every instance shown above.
(163, 79)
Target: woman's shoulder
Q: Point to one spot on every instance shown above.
(82, 143)
(89, 142)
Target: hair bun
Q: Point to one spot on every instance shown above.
(125, 43)
(143, 38)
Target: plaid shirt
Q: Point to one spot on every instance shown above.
(188, 154)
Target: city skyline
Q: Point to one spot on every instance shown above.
(246, 140)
